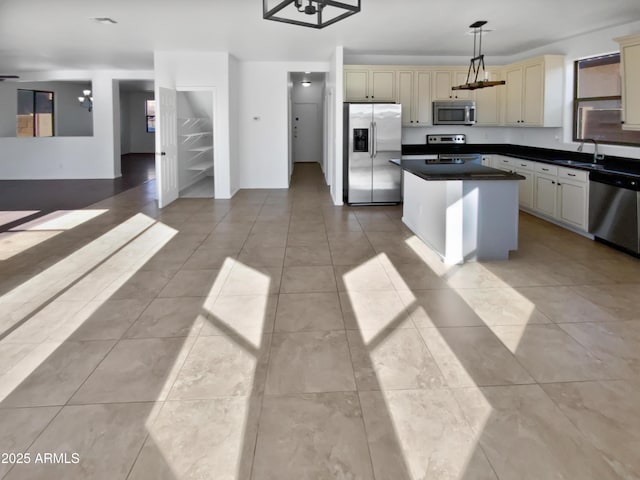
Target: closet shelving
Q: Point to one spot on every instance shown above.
(197, 143)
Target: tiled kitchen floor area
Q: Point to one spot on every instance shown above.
(274, 336)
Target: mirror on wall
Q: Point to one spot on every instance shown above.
(46, 109)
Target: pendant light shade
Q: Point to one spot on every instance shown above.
(477, 63)
(309, 13)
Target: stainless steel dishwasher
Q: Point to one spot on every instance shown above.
(613, 209)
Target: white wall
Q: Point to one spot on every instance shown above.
(70, 119)
(73, 157)
(263, 147)
(204, 69)
(125, 133)
(335, 98)
(234, 121)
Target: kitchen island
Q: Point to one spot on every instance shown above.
(464, 212)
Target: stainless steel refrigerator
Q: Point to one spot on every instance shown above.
(372, 136)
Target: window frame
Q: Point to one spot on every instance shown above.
(53, 111)
(577, 100)
(147, 117)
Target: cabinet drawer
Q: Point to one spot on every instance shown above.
(573, 174)
(522, 164)
(546, 169)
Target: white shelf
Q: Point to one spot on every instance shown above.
(205, 148)
(197, 134)
(201, 166)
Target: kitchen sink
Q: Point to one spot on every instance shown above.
(575, 164)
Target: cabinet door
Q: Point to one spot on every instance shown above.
(486, 160)
(545, 195)
(533, 94)
(502, 162)
(461, 79)
(525, 189)
(405, 97)
(487, 102)
(573, 204)
(422, 98)
(382, 86)
(631, 87)
(513, 98)
(356, 85)
(442, 86)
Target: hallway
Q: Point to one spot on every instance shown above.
(276, 336)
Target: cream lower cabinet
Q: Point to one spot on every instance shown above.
(630, 70)
(414, 94)
(546, 193)
(557, 193)
(573, 197)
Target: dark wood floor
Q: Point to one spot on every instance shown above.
(47, 196)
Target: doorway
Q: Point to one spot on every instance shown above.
(307, 117)
(195, 143)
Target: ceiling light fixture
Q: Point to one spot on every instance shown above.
(86, 100)
(477, 63)
(306, 83)
(104, 20)
(309, 13)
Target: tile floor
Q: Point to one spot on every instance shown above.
(275, 336)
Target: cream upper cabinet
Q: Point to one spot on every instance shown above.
(414, 94)
(356, 85)
(442, 86)
(369, 85)
(460, 78)
(534, 92)
(630, 70)
(444, 80)
(488, 102)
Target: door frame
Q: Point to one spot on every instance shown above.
(216, 123)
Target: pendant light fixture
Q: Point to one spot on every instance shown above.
(309, 13)
(477, 63)
(86, 100)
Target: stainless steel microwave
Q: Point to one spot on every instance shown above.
(454, 112)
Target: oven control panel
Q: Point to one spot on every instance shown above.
(457, 138)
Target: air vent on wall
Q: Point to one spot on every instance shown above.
(8, 77)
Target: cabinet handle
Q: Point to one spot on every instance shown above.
(367, 96)
(411, 121)
(622, 122)
(553, 182)
(523, 164)
(571, 174)
(505, 161)
(545, 169)
(372, 96)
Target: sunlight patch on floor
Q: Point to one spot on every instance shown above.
(60, 220)
(57, 321)
(10, 216)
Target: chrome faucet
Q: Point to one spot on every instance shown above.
(596, 156)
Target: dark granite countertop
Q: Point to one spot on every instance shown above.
(561, 158)
(456, 171)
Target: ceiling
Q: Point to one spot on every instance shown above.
(44, 34)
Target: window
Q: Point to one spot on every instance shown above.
(150, 109)
(35, 114)
(598, 102)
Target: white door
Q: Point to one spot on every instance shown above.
(166, 147)
(307, 133)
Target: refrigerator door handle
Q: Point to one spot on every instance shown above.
(375, 139)
(371, 139)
